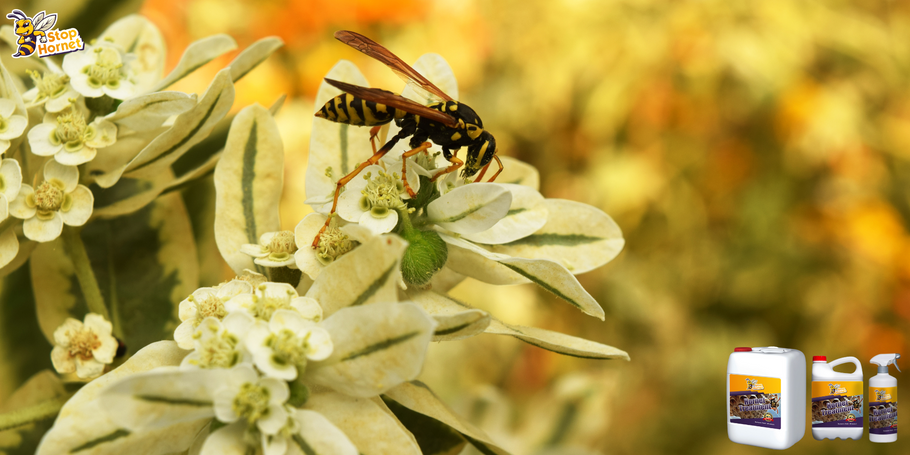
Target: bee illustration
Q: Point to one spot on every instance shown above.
(448, 123)
(833, 388)
(29, 29)
(879, 395)
(750, 383)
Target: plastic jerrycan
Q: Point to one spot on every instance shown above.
(837, 399)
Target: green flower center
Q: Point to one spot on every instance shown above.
(382, 194)
(264, 306)
(4, 125)
(252, 403)
(219, 351)
(49, 85)
(332, 244)
(107, 69)
(49, 196)
(71, 128)
(288, 348)
(282, 246)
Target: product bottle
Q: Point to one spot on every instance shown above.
(837, 400)
(883, 400)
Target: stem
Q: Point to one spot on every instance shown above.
(404, 221)
(75, 249)
(34, 413)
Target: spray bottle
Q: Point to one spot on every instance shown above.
(883, 400)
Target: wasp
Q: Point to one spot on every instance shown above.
(29, 29)
(448, 123)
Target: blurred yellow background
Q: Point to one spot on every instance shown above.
(755, 155)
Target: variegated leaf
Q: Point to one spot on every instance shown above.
(367, 422)
(417, 397)
(519, 173)
(9, 245)
(145, 264)
(84, 428)
(196, 55)
(23, 348)
(526, 215)
(557, 342)
(107, 167)
(45, 387)
(433, 436)
(253, 55)
(318, 435)
(139, 36)
(146, 112)
(227, 440)
(9, 90)
(470, 209)
(455, 320)
(23, 252)
(368, 274)
(578, 236)
(483, 265)
(376, 347)
(335, 148)
(248, 182)
(162, 398)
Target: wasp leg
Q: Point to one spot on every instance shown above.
(501, 167)
(344, 181)
(483, 171)
(456, 163)
(404, 165)
(374, 133)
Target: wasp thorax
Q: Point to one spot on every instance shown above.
(107, 69)
(332, 244)
(49, 85)
(382, 194)
(282, 246)
(49, 197)
(252, 402)
(82, 343)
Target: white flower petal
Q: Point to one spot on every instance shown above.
(89, 368)
(105, 133)
(241, 302)
(226, 440)
(233, 288)
(287, 319)
(74, 62)
(11, 176)
(186, 310)
(7, 107)
(349, 208)
(183, 335)
(9, 243)
(105, 353)
(80, 84)
(275, 420)
(308, 308)
(62, 101)
(77, 157)
(124, 90)
(379, 225)
(43, 230)
(39, 139)
(238, 323)
(319, 344)
(278, 390)
(223, 401)
(263, 360)
(257, 251)
(323, 436)
(15, 125)
(62, 360)
(266, 262)
(526, 215)
(81, 210)
(18, 206)
(471, 208)
(67, 175)
(274, 444)
(97, 324)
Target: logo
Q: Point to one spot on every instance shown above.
(882, 395)
(35, 35)
(836, 389)
(767, 417)
(850, 418)
(752, 384)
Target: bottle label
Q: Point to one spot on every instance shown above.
(755, 401)
(882, 410)
(837, 404)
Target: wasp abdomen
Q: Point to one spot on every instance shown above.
(347, 108)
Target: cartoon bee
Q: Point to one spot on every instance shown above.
(833, 388)
(879, 395)
(29, 29)
(750, 383)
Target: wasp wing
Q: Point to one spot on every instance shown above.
(397, 101)
(402, 69)
(44, 23)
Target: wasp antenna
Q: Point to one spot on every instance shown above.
(16, 14)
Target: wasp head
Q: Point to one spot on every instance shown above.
(480, 153)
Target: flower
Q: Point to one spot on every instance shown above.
(259, 401)
(52, 90)
(67, 136)
(11, 125)
(374, 200)
(275, 249)
(270, 297)
(205, 303)
(282, 347)
(10, 182)
(334, 242)
(84, 347)
(100, 69)
(57, 201)
(219, 344)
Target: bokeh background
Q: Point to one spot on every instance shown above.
(755, 154)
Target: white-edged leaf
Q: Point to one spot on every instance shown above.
(146, 112)
(253, 55)
(248, 182)
(9, 246)
(24, 251)
(197, 54)
(445, 280)
(318, 435)
(162, 398)
(367, 274)
(578, 236)
(455, 320)
(376, 347)
(337, 147)
(368, 424)
(107, 167)
(526, 215)
(227, 440)
(470, 209)
(139, 36)
(84, 428)
(519, 173)
(417, 397)
(557, 342)
(547, 274)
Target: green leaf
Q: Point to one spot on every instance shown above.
(40, 388)
(417, 397)
(557, 342)
(145, 112)
(455, 320)
(196, 55)
(22, 347)
(248, 183)
(253, 55)
(433, 436)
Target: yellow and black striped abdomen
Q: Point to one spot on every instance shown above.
(347, 108)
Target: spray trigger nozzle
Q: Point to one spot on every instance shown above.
(883, 360)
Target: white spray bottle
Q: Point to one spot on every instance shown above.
(883, 400)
